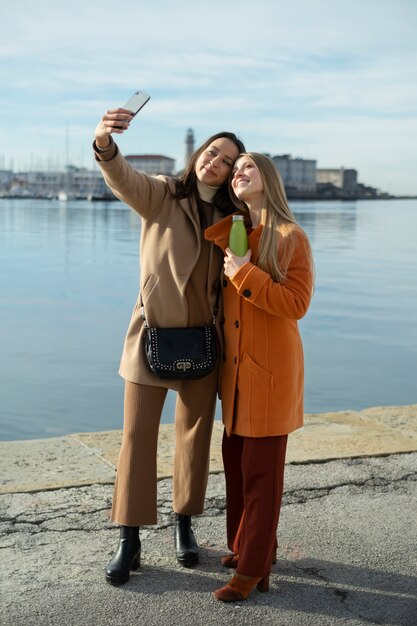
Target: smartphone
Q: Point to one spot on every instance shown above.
(137, 101)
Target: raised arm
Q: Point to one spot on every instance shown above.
(145, 194)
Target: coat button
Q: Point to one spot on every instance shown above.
(237, 323)
(224, 282)
(235, 360)
(247, 293)
(222, 320)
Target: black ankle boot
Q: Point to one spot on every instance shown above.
(186, 547)
(127, 556)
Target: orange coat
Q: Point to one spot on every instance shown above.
(262, 378)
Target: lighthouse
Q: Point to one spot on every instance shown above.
(189, 144)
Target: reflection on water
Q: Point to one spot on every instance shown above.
(325, 219)
(69, 279)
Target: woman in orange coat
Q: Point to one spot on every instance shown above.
(265, 293)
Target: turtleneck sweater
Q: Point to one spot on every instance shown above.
(196, 290)
(206, 192)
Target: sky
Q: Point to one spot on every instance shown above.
(329, 80)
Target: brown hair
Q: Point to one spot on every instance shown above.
(186, 184)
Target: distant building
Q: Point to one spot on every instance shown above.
(152, 164)
(6, 177)
(302, 179)
(84, 183)
(298, 175)
(75, 182)
(37, 184)
(344, 179)
(365, 191)
(189, 144)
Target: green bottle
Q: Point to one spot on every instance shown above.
(238, 238)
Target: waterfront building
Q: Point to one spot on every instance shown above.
(302, 179)
(6, 177)
(85, 183)
(152, 164)
(298, 175)
(341, 178)
(366, 191)
(37, 184)
(73, 182)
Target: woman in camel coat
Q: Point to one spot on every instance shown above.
(179, 287)
(262, 379)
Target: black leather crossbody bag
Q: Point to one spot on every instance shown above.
(181, 353)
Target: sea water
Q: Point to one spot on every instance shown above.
(69, 277)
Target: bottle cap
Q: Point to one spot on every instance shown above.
(237, 217)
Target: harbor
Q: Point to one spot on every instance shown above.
(327, 93)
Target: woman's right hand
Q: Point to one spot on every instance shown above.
(113, 121)
(233, 263)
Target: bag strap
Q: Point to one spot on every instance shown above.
(142, 314)
(216, 304)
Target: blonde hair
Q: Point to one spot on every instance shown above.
(278, 221)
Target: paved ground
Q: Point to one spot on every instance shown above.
(347, 555)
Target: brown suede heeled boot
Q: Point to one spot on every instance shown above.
(240, 587)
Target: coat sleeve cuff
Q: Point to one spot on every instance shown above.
(106, 154)
(249, 280)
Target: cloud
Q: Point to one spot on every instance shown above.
(335, 85)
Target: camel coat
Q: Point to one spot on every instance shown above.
(262, 378)
(170, 246)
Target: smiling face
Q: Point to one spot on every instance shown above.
(215, 163)
(247, 182)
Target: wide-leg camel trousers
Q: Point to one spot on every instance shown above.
(254, 472)
(135, 491)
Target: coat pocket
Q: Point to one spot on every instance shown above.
(257, 371)
(253, 400)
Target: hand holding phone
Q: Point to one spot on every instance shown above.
(136, 102)
(111, 119)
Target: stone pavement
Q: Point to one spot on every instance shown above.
(347, 552)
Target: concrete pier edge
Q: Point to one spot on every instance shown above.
(83, 459)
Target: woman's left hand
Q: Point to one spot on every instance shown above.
(232, 262)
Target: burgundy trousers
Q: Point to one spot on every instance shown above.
(254, 472)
